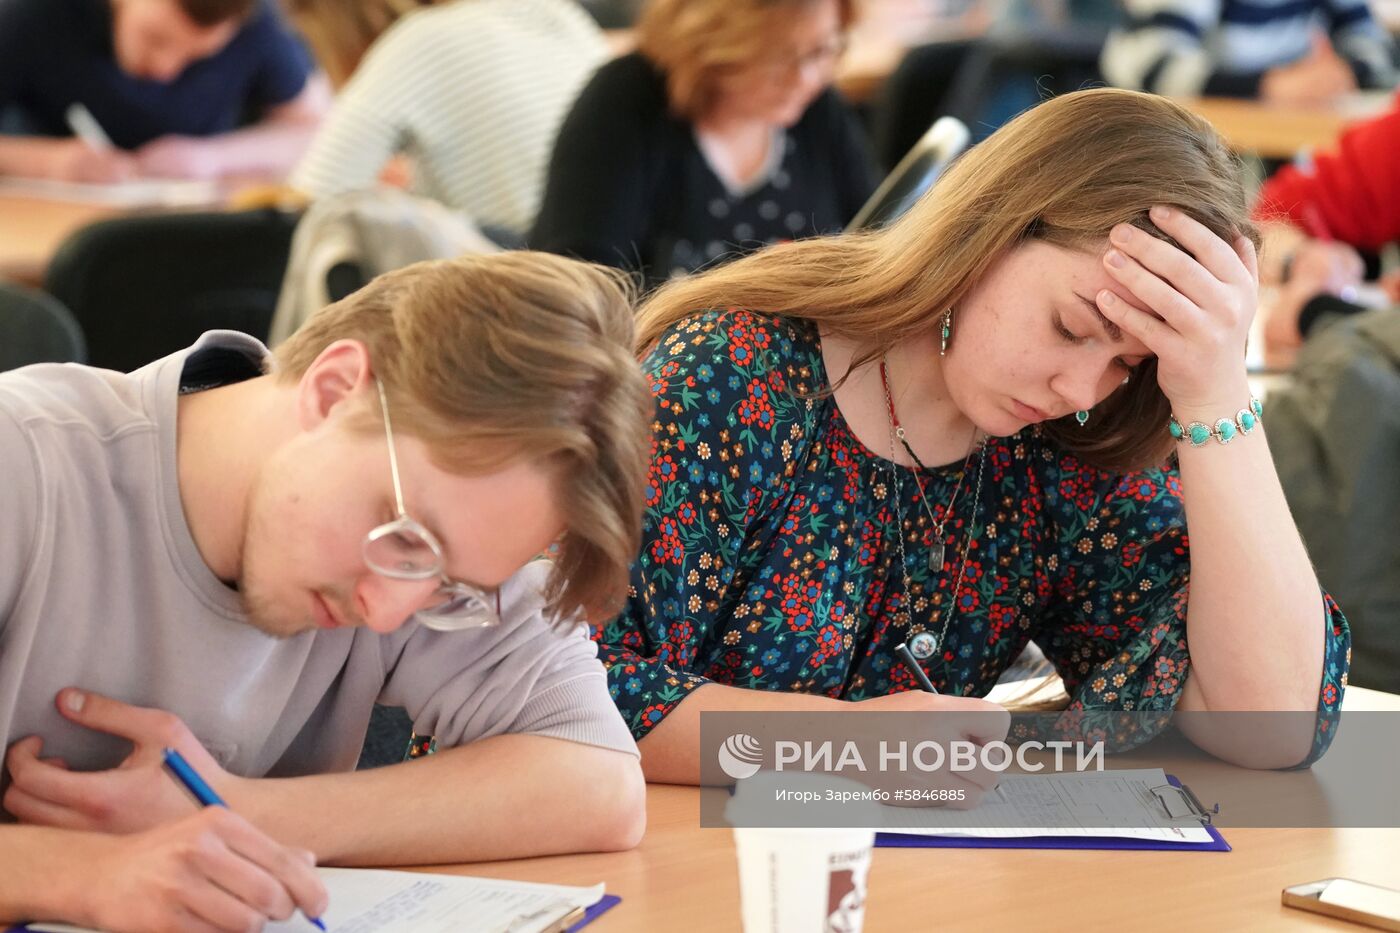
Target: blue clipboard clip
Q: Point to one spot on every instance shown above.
(1180, 803)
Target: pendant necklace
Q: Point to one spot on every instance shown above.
(924, 644)
(936, 551)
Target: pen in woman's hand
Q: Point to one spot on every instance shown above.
(912, 663)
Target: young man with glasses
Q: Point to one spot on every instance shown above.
(237, 556)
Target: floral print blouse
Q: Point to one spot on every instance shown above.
(769, 557)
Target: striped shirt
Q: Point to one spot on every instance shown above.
(1223, 47)
(473, 92)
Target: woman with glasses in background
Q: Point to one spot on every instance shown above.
(720, 134)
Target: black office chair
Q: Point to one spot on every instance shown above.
(914, 95)
(1055, 60)
(914, 174)
(145, 286)
(36, 328)
(964, 78)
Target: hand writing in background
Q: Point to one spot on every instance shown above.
(75, 160)
(178, 157)
(1320, 76)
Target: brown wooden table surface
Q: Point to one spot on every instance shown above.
(33, 226)
(31, 229)
(1278, 132)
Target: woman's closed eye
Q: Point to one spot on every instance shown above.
(1065, 332)
(1070, 337)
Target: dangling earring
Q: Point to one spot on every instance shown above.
(1082, 417)
(945, 333)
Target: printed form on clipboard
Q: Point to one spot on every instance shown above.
(1141, 805)
(373, 901)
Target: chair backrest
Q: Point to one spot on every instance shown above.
(36, 328)
(914, 174)
(344, 240)
(145, 285)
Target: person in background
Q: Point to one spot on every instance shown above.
(169, 82)
(957, 432)
(1277, 51)
(237, 554)
(1334, 432)
(1318, 218)
(471, 92)
(721, 133)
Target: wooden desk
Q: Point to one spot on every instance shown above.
(685, 877)
(1275, 132)
(31, 229)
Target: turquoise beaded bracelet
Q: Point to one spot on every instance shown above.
(1224, 430)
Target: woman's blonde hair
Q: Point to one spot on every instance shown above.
(695, 42)
(518, 355)
(340, 32)
(1064, 173)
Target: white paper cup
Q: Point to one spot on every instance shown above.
(803, 880)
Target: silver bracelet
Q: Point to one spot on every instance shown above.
(1225, 430)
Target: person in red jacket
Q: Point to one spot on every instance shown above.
(1318, 218)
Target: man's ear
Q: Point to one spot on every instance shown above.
(339, 374)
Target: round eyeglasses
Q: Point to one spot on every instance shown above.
(402, 549)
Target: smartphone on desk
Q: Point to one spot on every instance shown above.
(1346, 899)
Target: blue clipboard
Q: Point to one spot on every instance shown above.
(903, 841)
(605, 903)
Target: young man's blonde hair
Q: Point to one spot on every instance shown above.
(695, 42)
(518, 355)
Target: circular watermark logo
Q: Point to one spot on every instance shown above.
(740, 756)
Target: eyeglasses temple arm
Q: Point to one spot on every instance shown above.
(393, 458)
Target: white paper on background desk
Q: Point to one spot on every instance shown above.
(373, 901)
(143, 192)
(1116, 804)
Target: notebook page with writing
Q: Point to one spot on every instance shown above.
(374, 901)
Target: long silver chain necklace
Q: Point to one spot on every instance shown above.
(930, 648)
(936, 550)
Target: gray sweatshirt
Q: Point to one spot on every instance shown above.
(102, 587)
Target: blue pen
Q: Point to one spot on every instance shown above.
(189, 778)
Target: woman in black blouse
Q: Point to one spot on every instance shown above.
(719, 135)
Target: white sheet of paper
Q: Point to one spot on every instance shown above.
(146, 192)
(1119, 804)
(374, 901)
